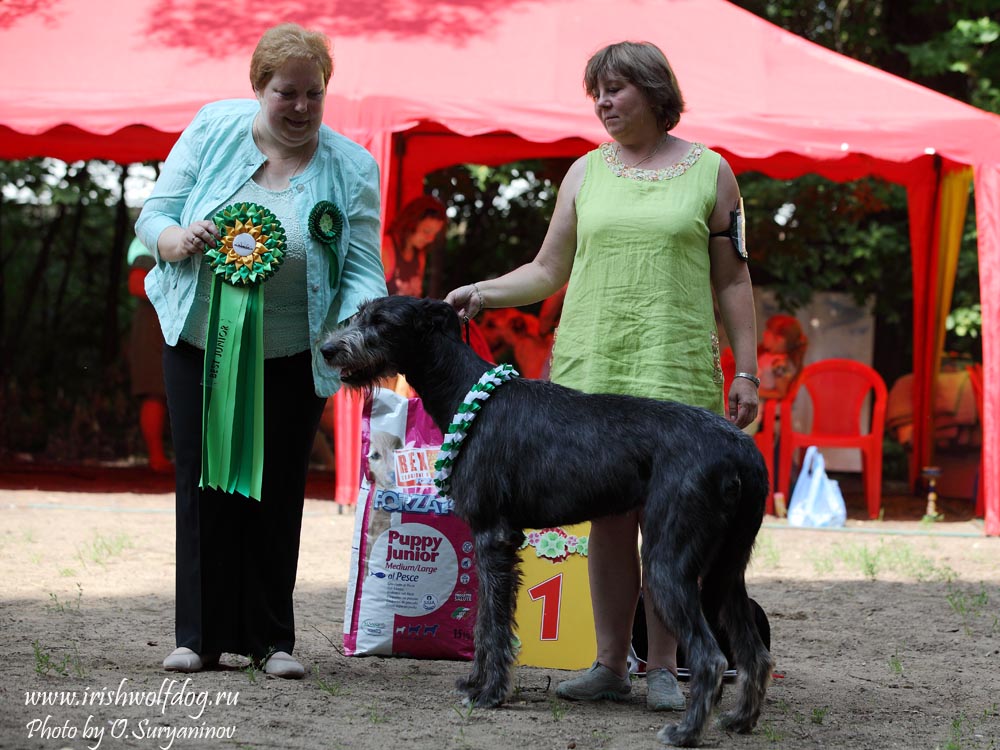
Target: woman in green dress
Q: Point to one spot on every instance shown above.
(644, 230)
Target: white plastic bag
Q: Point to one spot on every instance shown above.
(816, 499)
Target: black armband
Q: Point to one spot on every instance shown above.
(736, 231)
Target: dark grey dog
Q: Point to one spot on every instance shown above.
(540, 455)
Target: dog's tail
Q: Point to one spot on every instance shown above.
(724, 595)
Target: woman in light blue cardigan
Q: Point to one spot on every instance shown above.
(237, 557)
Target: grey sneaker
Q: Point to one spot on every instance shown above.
(595, 684)
(662, 691)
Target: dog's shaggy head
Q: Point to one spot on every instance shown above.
(385, 336)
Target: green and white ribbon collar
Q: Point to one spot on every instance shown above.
(460, 423)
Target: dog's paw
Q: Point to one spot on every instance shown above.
(737, 721)
(466, 685)
(478, 695)
(675, 735)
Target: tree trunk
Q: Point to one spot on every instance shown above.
(111, 343)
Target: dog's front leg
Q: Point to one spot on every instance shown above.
(489, 683)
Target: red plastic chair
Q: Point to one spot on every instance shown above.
(838, 388)
(976, 381)
(764, 438)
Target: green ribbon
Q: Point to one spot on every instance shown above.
(250, 252)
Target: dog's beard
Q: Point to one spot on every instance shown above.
(359, 361)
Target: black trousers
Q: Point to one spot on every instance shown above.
(237, 557)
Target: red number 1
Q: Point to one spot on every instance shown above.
(550, 592)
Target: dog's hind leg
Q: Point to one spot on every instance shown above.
(674, 594)
(751, 658)
(724, 591)
(489, 682)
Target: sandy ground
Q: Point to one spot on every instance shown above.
(885, 635)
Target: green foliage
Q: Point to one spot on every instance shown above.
(64, 309)
(968, 48)
(498, 218)
(810, 235)
(948, 45)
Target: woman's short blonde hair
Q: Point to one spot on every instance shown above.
(289, 41)
(645, 66)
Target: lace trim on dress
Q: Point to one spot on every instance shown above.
(610, 154)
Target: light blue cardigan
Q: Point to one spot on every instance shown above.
(213, 157)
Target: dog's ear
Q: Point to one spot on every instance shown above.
(440, 316)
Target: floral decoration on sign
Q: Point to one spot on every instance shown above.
(251, 246)
(555, 544)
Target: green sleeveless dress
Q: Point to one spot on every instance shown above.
(638, 317)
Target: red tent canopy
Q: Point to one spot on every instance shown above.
(428, 83)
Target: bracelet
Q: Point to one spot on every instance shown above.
(749, 376)
(479, 295)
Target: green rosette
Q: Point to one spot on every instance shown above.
(251, 247)
(326, 224)
(249, 252)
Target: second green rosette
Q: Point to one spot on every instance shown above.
(249, 252)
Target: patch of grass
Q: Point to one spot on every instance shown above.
(895, 665)
(55, 605)
(823, 565)
(461, 742)
(558, 708)
(818, 714)
(334, 689)
(964, 734)
(766, 551)
(464, 712)
(971, 606)
(896, 557)
(103, 548)
(255, 667)
(601, 738)
(46, 663)
(518, 689)
(771, 734)
(376, 716)
(67, 573)
(955, 734)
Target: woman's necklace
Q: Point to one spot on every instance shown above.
(643, 160)
(268, 161)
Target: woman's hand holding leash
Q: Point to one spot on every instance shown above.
(467, 301)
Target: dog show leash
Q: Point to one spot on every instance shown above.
(460, 423)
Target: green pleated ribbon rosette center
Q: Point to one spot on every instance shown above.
(249, 252)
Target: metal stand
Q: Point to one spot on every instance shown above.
(930, 475)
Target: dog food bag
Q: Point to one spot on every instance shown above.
(412, 586)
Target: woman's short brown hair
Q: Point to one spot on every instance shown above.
(284, 42)
(645, 66)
